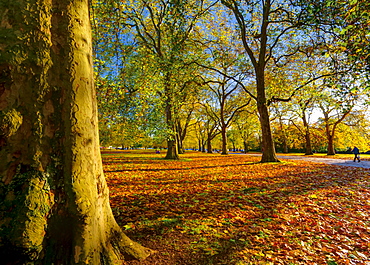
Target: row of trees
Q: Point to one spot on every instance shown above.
(167, 66)
(292, 129)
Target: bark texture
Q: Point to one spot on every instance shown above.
(54, 201)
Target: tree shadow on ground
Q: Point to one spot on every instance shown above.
(243, 197)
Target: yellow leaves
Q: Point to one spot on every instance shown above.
(246, 254)
(129, 226)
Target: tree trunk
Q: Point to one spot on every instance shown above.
(54, 204)
(284, 138)
(209, 145)
(285, 145)
(180, 146)
(224, 150)
(245, 147)
(178, 138)
(331, 149)
(172, 152)
(268, 147)
(307, 135)
(172, 148)
(308, 143)
(329, 136)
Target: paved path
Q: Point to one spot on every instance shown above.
(330, 161)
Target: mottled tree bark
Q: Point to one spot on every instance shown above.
(54, 201)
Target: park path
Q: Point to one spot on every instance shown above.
(329, 161)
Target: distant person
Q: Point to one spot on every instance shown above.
(356, 152)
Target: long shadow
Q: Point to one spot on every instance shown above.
(135, 160)
(180, 168)
(183, 202)
(297, 186)
(162, 203)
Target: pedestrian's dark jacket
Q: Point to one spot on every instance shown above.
(355, 150)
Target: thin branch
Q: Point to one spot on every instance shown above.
(228, 76)
(275, 99)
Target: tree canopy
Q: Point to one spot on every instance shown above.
(161, 65)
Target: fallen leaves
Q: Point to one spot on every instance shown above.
(213, 209)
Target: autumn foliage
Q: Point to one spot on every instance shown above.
(213, 209)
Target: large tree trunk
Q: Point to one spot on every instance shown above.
(268, 147)
(54, 204)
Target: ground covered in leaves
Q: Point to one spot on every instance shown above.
(213, 209)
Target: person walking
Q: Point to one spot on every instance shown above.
(356, 152)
